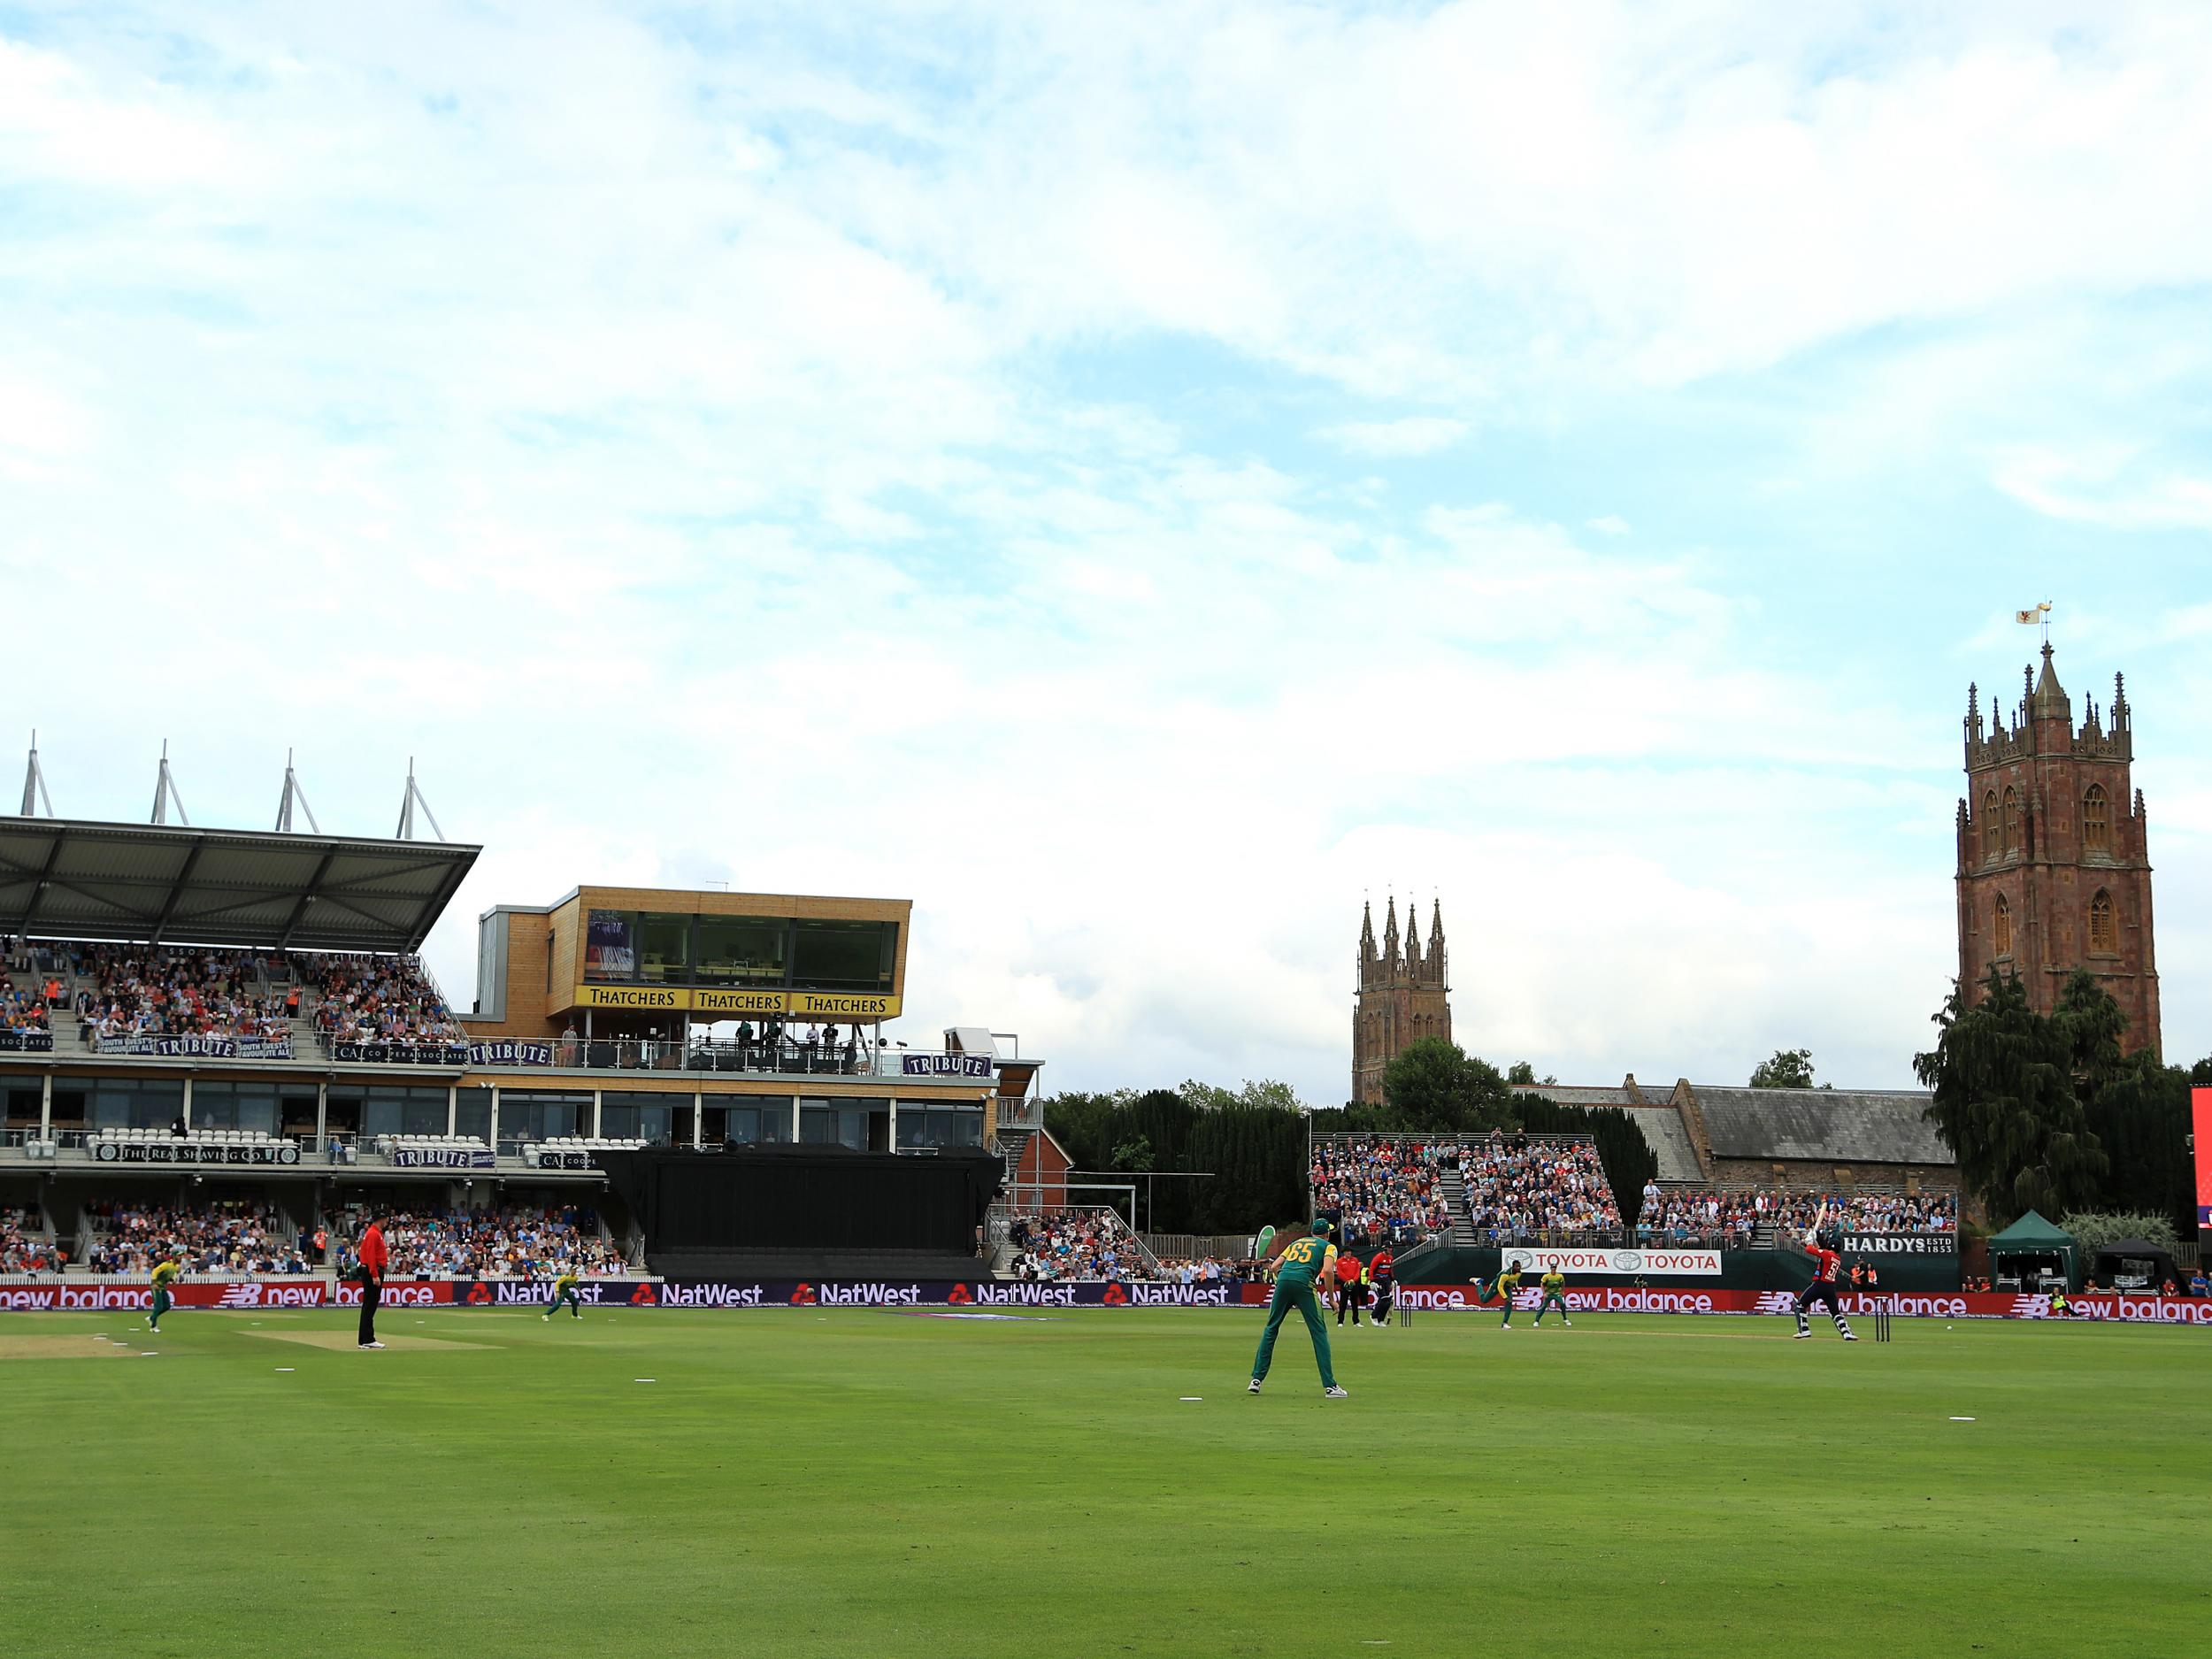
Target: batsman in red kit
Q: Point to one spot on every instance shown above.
(1822, 1239)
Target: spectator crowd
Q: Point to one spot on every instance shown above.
(25, 1008)
(377, 999)
(511, 1241)
(1382, 1188)
(233, 1237)
(24, 1248)
(144, 991)
(1729, 1216)
(1519, 1187)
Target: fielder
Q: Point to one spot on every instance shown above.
(564, 1291)
(1554, 1285)
(1307, 1261)
(1821, 1241)
(166, 1272)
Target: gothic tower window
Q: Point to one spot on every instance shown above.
(2012, 822)
(2096, 820)
(1990, 844)
(2104, 931)
(2001, 926)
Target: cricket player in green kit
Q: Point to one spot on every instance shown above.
(1308, 1261)
(1554, 1285)
(166, 1274)
(564, 1291)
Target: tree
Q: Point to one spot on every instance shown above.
(1522, 1071)
(1434, 1086)
(2094, 1229)
(1133, 1155)
(2004, 1098)
(1790, 1068)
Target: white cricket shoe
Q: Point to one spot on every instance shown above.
(1253, 1386)
(1334, 1394)
(1848, 1337)
(1802, 1336)
(372, 1345)
(1570, 1324)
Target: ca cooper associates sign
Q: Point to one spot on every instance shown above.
(443, 1159)
(198, 1152)
(401, 1052)
(1599, 1259)
(1901, 1244)
(26, 1042)
(945, 1064)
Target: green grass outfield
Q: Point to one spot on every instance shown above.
(804, 1481)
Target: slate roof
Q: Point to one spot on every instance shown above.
(1835, 1125)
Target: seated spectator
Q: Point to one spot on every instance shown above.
(1382, 1188)
(377, 999)
(508, 1241)
(1521, 1188)
(229, 1237)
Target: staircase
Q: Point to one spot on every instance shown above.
(1012, 1145)
(1455, 1206)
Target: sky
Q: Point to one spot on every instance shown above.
(1139, 480)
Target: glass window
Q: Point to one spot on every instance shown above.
(23, 1108)
(2104, 931)
(843, 956)
(665, 948)
(2096, 819)
(528, 1115)
(473, 1113)
(403, 1111)
(748, 1126)
(833, 1126)
(636, 1115)
(743, 949)
(939, 1126)
(136, 1103)
(234, 1106)
(611, 945)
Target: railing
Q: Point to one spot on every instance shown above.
(610, 1054)
(1026, 1113)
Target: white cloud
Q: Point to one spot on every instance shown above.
(853, 465)
(2110, 485)
(1413, 434)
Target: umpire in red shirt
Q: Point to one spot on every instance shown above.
(373, 1258)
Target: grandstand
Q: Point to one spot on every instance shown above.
(193, 1021)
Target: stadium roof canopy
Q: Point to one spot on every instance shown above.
(61, 879)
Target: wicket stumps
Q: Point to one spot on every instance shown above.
(1405, 1312)
(1881, 1324)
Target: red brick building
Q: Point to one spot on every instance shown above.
(2054, 864)
(1404, 996)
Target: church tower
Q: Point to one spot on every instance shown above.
(2055, 871)
(1404, 994)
